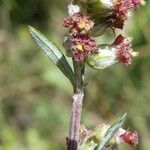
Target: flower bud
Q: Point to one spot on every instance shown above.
(89, 139)
(130, 137)
(124, 51)
(79, 47)
(82, 47)
(121, 136)
(107, 55)
(78, 24)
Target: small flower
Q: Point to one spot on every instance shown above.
(82, 47)
(121, 136)
(107, 55)
(118, 13)
(124, 51)
(78, 24)
(130, 137)
(122, 6)
(78, 44)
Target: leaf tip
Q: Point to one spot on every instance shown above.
(31, 29)
(125, 115)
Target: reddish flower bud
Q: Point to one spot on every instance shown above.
(107, 55)
(78, 24)
(122, 6)
(82, 47)
(119, 12)
(130, 137)
(68, 22)
(124, 50)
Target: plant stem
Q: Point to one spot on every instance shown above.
(76, 107)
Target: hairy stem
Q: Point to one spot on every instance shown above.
(76, 107)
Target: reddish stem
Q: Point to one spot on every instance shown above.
(78, 96)
(75, 121)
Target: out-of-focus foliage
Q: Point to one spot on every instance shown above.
(35, 97)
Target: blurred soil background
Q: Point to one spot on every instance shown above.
(35, 98)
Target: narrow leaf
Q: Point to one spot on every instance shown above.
(111, 132)
(53, 52)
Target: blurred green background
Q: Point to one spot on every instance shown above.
(35, 98)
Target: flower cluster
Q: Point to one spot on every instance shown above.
(81, 45)
(123, 49)
(130, 137)
(106, 55)
(78, 24)
(121, 136)
(89, 138)
(119, 12)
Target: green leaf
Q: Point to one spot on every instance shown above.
(54, 54)
(111, 132)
